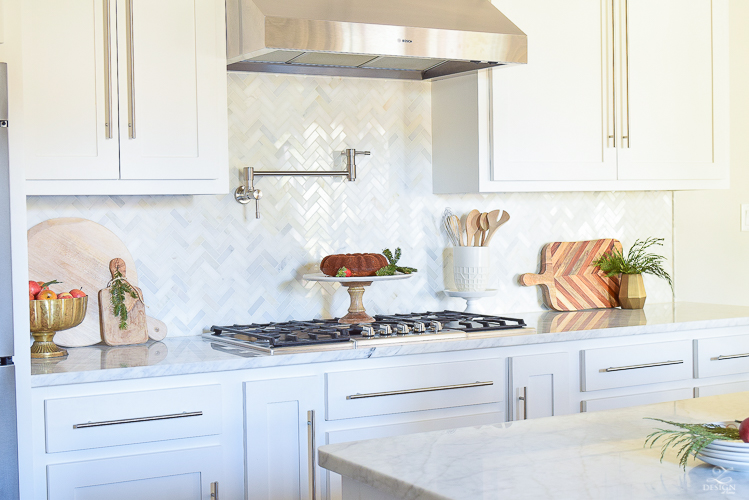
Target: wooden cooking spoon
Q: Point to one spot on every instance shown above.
(495, 224)
(472, 226)
(483, 226)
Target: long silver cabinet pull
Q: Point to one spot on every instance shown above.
(424, 389)
(732, 356)
(107, 71)
(214, 491)
(312, 448)
(131, 70)
(648, 365)
(524, 399)
(626, 68)
(139, 419)
(609, 61)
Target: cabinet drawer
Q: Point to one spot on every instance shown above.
(401, 389)
(722, 356)
(636, 365)
(131, 417)
(647, 398)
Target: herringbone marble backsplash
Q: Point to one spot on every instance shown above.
(205, 260)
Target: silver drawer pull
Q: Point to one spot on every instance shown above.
(425, 389)
(649, 365)
(731, 356)
(139, 419)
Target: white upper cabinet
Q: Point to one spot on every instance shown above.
(551, 116)
(125, 97)
(616, 95)
(667, 108)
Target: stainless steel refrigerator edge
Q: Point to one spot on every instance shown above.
(8, 431)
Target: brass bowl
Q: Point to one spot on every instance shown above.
(51, 316)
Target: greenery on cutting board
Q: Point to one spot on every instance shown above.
(637, 261)
(119, 288)
(391, 268)
(690, 439)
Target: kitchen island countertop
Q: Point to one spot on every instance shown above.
(590, 455)
(188, 355)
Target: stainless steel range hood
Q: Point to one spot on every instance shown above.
(404, 39)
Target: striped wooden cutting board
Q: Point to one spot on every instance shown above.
(569, 281)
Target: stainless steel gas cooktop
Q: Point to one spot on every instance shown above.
(322, 334)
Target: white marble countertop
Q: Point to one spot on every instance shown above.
(590, 455)
(187, 355)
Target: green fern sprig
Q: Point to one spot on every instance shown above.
(690, 439)
(637, 261)
(120, 287)
(391, 268)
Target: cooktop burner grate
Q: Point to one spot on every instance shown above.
(328, 331)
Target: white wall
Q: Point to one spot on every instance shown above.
(710, 250)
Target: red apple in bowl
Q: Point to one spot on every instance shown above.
(744, 430)
(64, 295)
(76, 293)
(34, 288)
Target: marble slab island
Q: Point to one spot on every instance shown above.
(587, 456)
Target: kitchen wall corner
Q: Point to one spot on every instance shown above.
(205, 260)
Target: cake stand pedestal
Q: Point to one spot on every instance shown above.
(356, 287)
(471, 298)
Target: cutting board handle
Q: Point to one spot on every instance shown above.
(118, 265)
(530, 279)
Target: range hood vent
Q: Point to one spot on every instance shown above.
(400, 39)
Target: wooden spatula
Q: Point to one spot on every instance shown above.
(495, 224)
(472, 226)
(136, 331)
(483, 226)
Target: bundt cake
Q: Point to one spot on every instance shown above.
(360, 264)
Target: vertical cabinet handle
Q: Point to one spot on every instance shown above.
(107, 71)
(524, 399)
(609, 61)
(214, 491)
(130, 70)
(311, 448)
(626, 133)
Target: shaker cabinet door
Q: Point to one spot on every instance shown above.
(669, 103)
(70, 90)
(281, 438)
(539, 385)
(552, 117)
(171, 88)
(191, 474)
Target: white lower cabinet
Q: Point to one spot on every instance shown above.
(281, 438)
(539, 385)
(192, 474)
(718, 389)
(647, 398)
(382, 431)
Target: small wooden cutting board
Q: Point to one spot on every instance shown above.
(137, 326)
(568, 279)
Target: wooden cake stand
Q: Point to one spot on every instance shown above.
(355, 285)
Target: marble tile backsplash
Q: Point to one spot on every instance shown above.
(205, 260)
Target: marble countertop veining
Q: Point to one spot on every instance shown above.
(188, 355)
(589, 455)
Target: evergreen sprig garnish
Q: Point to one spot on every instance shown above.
(690, 439)
(391, 268)
(637, 261)
(119, 288)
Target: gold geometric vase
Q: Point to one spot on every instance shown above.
(632, 291)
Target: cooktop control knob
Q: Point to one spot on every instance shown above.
(402, 329)
(367, 331)
(419, 327)
(385, 331)
(436, 326)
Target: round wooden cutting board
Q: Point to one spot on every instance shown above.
(77, 252)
